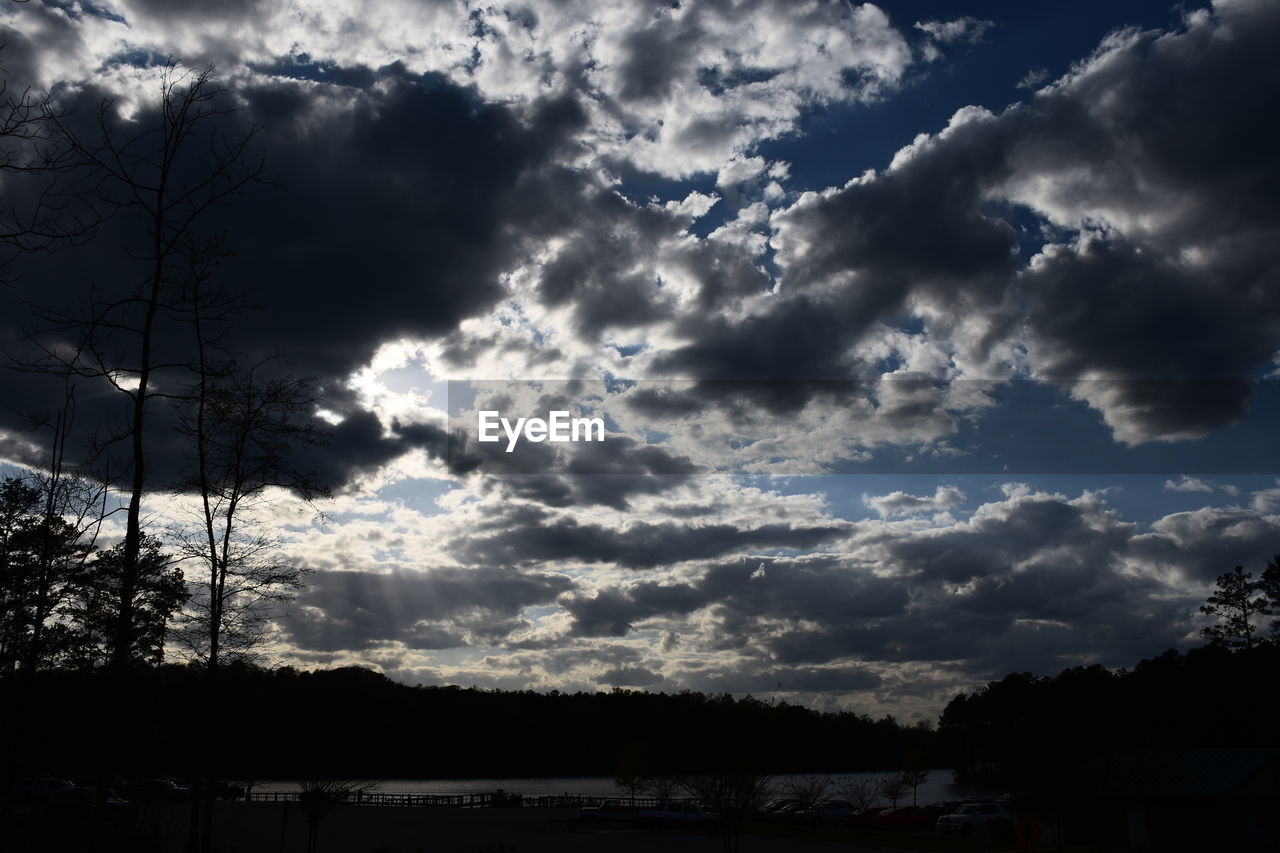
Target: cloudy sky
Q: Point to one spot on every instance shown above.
(933, 340)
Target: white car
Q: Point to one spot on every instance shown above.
(972, 816)
(685, 816)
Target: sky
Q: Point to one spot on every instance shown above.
(933, 341)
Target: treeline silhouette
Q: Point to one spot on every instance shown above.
(352, 722)
(1028, 731)
(1023, 731)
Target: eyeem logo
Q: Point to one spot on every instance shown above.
(557, 427)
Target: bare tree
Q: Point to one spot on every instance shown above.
(168, 177)
(59, 204)
(913, 778)
(808, 790)
(860, 791)
(892, 788)
(244, 430)
(662, 786)
(243, 426)
(165, 172)
(734, 792)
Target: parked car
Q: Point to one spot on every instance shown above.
(767, 811)
(608, 811)
(221, 790)
(154, 791)
(686, 816)
(86, 797)
(44, 789)
(826, 812)
(972, 816)
(861, 818)
(907, 819)
(786, 813)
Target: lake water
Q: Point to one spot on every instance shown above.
(938, 787)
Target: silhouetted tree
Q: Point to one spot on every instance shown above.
(916, 772)
(95, 602)
(892, 788)
(1235, 603)
(633, 769)
(43, 550)
(662, 786)
(17, 503)
(861, 792)
(733, 791)
(320, 797)
(167, 176)
(808, 790)
(57, 204)
(913, 779)
(1269, 584)
(243, 430)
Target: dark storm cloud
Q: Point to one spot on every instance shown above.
(1003, 625)
(900, 409)
(605, 271)
(823, 589)
(1163, 137)
(641, 544)
(437, 608)
(563, 660)
(656, 57)
(195, 11)
(359, 444)
(1033, 578)
(393, 215)
(867, 249)
(1034, 581)
(1001, 535)
(607, 473)
(395, 222)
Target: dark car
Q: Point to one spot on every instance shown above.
(45, 789)
(786, 813)
(861, 818)
(826, 813)
(971, 816)
(613, 810)
(221, 790)
(907, 819)
(769, 809)
(154, 791)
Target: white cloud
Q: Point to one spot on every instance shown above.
(1185, 483)
(901, 503)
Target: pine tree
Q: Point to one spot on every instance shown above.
(1235, 603)
(1270, 586)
